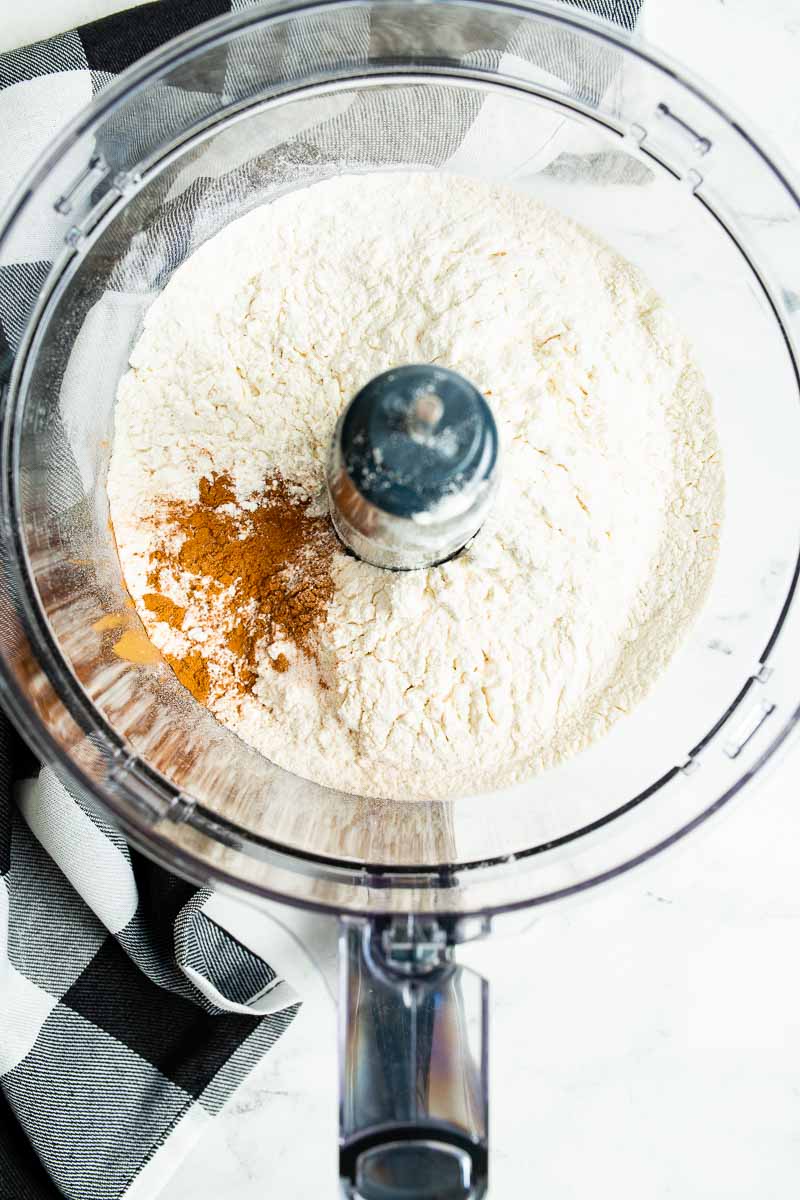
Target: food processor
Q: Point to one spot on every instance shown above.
(227, 117)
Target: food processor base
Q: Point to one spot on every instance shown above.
(413, 1045)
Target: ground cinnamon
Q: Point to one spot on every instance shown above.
(135, 647)
(192, 671)
(268, 565)
(164, 609)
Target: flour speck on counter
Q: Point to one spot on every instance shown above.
(566, 607)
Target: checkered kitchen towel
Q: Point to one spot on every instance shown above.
(125, 1011)
(127, 1016)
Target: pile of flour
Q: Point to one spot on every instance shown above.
(602, 541)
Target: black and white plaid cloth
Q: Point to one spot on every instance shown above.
(126, 1011)
(127, 1015)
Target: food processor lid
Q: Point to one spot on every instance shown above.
(255, 117)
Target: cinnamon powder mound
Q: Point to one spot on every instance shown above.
(266, 565)
(216, 491)
(192, 671)
(164, 609)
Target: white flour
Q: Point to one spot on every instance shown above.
(602, 541)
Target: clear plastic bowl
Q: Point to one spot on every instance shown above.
(275, 98)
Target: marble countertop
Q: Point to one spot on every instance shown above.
(647, 1042)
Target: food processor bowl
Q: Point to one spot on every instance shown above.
(228, 117)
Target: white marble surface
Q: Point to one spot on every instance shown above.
(645, 1043)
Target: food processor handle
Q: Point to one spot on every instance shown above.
(413, 1064)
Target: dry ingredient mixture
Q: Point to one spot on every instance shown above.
(572, 598)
